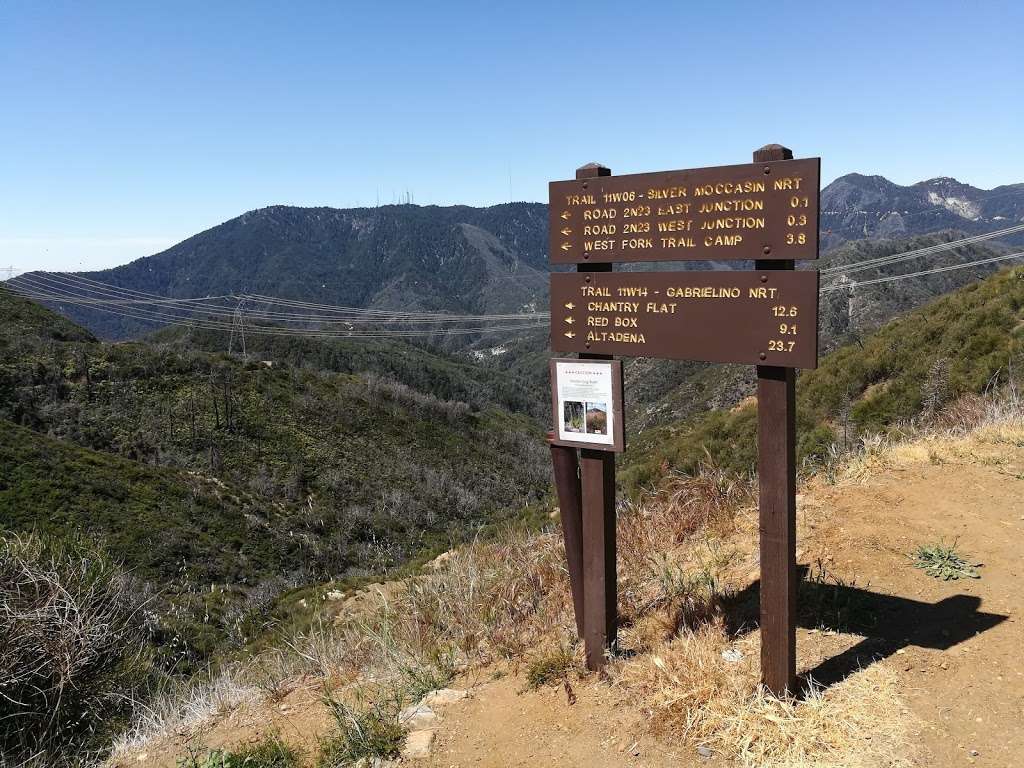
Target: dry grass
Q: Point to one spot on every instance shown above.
(692, 693)
(974, 429)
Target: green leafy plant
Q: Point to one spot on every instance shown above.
(944, 562)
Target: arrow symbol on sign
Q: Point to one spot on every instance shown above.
(570, 334)
(566, 246)
(569, 320)
(570, 305)
(566, 231)
(565, 215)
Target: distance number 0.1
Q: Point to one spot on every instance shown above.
(780, 345)
(782, 311)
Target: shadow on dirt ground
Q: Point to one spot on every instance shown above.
(887, 622)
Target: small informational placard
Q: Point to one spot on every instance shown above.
(586, 396)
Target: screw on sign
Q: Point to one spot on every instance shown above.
(766, 212)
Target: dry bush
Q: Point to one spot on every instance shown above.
(183, 705)
(73, 651)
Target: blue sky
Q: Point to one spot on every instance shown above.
(127, 127)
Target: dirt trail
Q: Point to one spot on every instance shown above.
(503, 725)
(957, 646)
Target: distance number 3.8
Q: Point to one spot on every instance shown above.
(798, 238)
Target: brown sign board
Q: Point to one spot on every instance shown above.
(586, 399)
(761, 317)
(753, 211)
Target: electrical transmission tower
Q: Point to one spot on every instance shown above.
(238, 327)
(6, 273)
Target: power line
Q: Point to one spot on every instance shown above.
(163, 317)
(84, 292)
(934, 270)
(896, 258)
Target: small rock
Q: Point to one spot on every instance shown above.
(705, 751)
(732, 655)
(975, 753)
(443, 696)
(418, 745)
(417, 717)
(143, 757)
(335, 594)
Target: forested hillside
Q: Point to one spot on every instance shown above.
(199, 469)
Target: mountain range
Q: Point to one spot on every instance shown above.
(855, 207)
(471, 260)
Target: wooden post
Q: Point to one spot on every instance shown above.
(776, 450)
(597, 474)
(570, 509)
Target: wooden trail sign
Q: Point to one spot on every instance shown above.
(766, 212)
(728, 316)
(761, 210)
